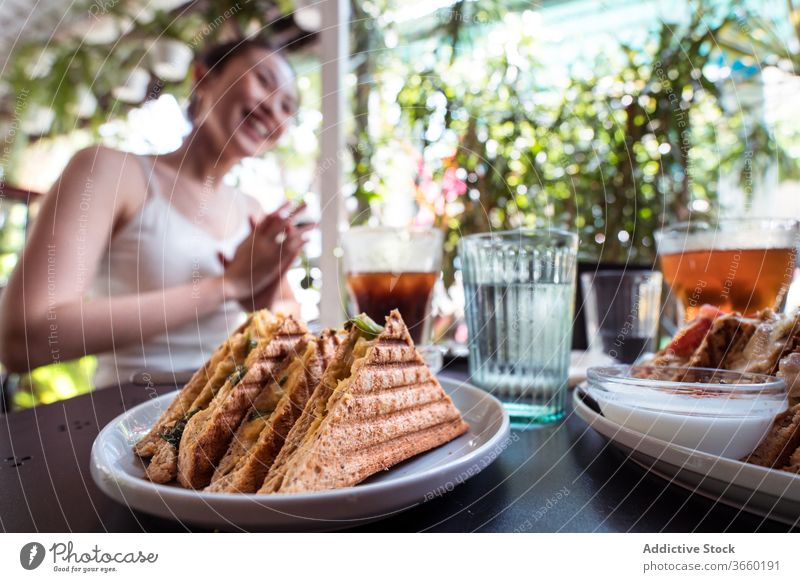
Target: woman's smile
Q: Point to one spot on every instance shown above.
(258, 126)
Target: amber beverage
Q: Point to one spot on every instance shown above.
(746, 280)
(721, 267)
(376, 294)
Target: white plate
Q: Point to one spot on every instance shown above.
(119, 474)
(765, 492)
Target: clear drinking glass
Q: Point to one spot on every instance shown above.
(520, 290)
(622, 312)
(395, 268)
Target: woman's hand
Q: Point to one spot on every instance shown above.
(265, 256)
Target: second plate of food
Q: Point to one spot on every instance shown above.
(766, 492)
(120, 474)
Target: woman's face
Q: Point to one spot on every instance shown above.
(248, 104)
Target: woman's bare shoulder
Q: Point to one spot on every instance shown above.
(100, 158)
(108, 169)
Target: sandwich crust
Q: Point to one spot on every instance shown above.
(727, 338)
(761, 344)
(163, 467)
(794, 462)
(789, 370)
(147, 446)
(775, 337)
(780, 446)
(338, 369)
(292, 413)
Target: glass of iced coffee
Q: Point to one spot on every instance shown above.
(394, 268)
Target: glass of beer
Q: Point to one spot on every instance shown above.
(743, 265)
(394, 268)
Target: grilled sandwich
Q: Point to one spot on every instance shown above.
(768, 343)
(780, 449)
(730, 341)
(377, 405)
(208, 433)
(161, 443)
(261, 436)
(337, 370)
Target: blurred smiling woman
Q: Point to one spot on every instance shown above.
(149, 261)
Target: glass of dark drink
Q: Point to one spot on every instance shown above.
(622, 312)
(394, 268)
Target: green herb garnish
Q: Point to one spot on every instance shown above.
(251, 344)
(173, 435)
(237, 375)
(365, 324)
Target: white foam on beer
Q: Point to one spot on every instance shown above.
(727, 240)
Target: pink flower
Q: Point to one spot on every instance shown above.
(425, 217)
(439, 206)
(452, 185)
(423, 173)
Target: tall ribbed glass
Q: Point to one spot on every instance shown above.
(520, 291)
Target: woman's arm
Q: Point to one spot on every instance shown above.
(44, 316)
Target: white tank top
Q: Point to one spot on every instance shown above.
(157, 249)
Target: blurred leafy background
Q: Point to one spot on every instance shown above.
(626, 141)
(465, 115)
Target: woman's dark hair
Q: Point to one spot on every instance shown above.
(217, 56)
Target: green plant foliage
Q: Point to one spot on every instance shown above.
(616, 153)
(55, 382)
(13, 220)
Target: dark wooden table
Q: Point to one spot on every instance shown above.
(562, 477)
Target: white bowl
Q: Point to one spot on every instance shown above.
(766, 492)
(718, 412)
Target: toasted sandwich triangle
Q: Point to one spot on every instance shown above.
(159, 444)
(338, 369)
(147, 446)
(389, 408)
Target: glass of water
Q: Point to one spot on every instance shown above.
(520, 291)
